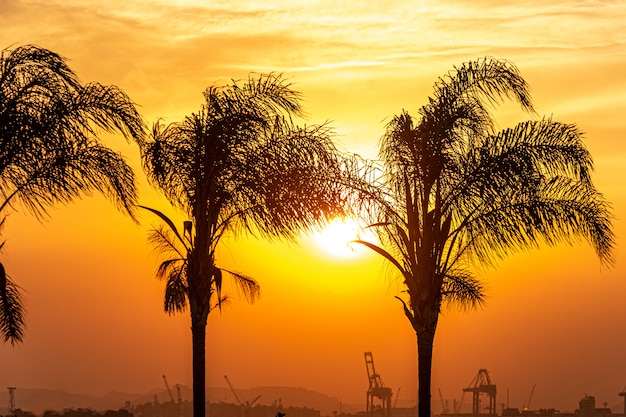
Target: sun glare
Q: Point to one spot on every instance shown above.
(337, 238)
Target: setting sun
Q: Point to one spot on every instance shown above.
(338, 238)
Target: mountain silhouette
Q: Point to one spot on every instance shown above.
(39, 400)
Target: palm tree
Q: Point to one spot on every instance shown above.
(49, 147)
(238, 165)
(459, 193)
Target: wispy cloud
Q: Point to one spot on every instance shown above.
(161, 45)
(331, 33)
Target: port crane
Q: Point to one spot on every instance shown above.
(181, 407)
(244, 405)
(530, 398)
(458, 406)
(157, 406)
(623, 394)
(395, 402)
(481, 384)
(376, 389)
(169, 391)
(444, 404)
(11, 408)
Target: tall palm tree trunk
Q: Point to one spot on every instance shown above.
(198, 345)
(425, 340)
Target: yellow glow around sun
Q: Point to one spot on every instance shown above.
(337, 238)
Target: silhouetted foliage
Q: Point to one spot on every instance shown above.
(21, 413)
(240, 164)
(455, 193)
(49, 150)
(117, 413)
(220, 409)
(51, 413)
(84, 412)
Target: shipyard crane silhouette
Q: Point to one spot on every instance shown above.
(244, 405)
(395, 402)
(530, 398)
(444, 404)
(481, 384)
(181, 407)
(11, 408)
(169, 391)
(623, 394)
(376, 389)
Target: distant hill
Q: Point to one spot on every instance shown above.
(288, 396)
(40, 400)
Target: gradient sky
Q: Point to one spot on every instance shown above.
(554, 318)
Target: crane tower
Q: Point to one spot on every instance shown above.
(181, 406)
(244, 405)
(377, 389)
(11, 400)
(482, 384)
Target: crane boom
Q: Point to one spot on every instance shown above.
(179, 395)
(444, 403)
(169, 391)
(233, 390)
(395, 402)
(244, 405)
(181, 406)
(530, 398)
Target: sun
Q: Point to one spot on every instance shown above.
(337, 238)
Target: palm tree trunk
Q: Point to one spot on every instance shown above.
(198, 344)
(425, 340)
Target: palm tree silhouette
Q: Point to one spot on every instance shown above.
(49, 147)
(459, 193)
(238, 165)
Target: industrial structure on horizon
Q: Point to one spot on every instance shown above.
(483, 391)
(482, 386)
(378, 404)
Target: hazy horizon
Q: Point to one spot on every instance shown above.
(28, 399)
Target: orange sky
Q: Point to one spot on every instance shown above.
(95, 322)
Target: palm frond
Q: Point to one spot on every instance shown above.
(495, 79)
(382, 252)
(169, 266)
(247, 286)
(558, 210)
(109, 108)
(462, 290)
(172, 227)
(50, 151)
(12, 313)
(176, 291)
(217, 279)
(222, 301)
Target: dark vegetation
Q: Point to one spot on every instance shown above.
(75, 412)
(170, 409)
